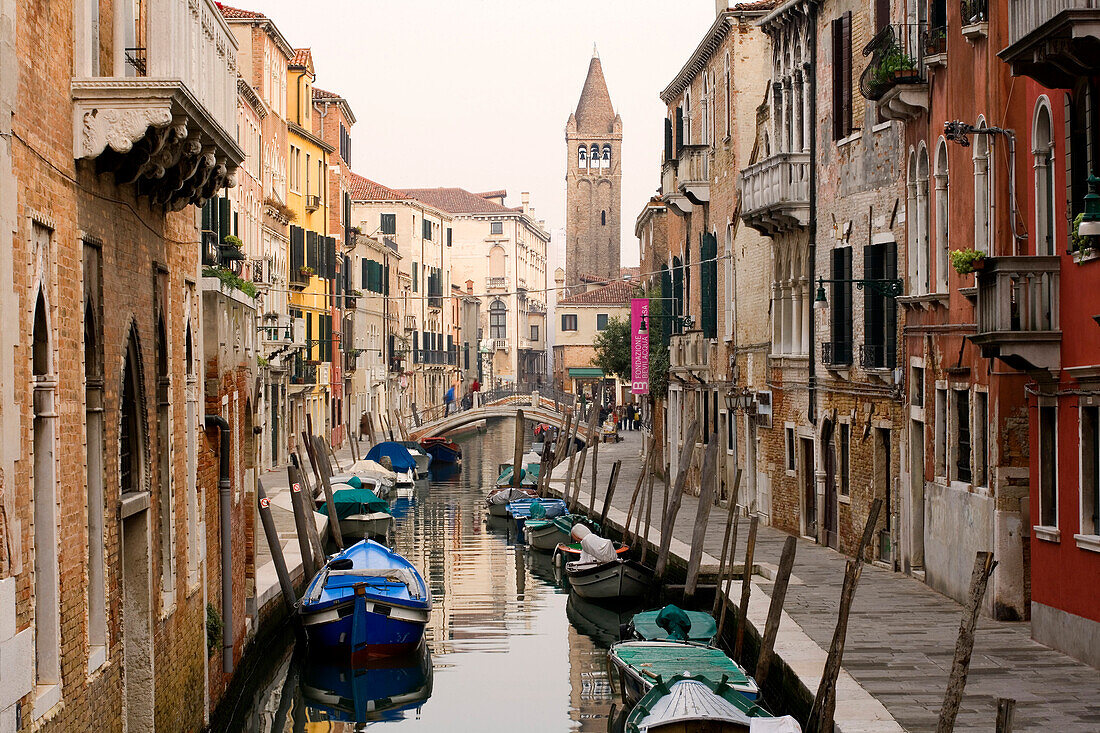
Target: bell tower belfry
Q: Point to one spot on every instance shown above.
(593, 178)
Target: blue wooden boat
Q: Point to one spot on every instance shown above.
(366, 601)
(520, 510)
(443, 450)
(379, 689)
(398, 454)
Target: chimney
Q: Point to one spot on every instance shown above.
(470, 286)
(525, 198)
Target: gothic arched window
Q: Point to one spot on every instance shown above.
(1042, 148)
(498, 320)
(942, 216)
(131, 432)
(606, 156)
(582, 157)
(594, 155)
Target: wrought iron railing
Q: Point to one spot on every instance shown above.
(876, 356)
(897, 57)
(974, 11)
(836, 353)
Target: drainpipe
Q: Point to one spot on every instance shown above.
(811, 407)
(225, 503)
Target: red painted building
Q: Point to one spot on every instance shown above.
(1056, 55)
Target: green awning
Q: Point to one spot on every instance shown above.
(585, 372)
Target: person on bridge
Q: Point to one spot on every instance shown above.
(448, 400)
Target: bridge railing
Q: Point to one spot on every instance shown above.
(417, 417)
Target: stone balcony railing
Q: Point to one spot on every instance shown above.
(1053, 41)
(775, 193)
(496, 283)
(1017, 311)
(689, 350)
(693, 173)
(670, 190)
(166, 121)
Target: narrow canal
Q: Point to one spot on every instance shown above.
(507, 648)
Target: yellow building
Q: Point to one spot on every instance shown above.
(316, 380)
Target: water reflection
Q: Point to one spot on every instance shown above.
(500, 650)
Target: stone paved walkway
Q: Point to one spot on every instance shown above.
(901, 634)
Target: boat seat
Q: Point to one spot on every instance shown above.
(396, 575)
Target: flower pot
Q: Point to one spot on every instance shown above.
(978, 265)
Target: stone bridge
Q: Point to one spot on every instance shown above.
(549, 409)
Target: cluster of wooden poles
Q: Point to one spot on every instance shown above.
(820, 719)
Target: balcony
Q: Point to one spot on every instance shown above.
(303, 373)
(693, 173)
(775, 193)
(168, 125)
(496, 283)
(501, 344)
(836, 354)
(689, 351)
(410, 323)
(313, 202)
(876, 356)
(299, 277)
(1017, 312)
(536, 307)
(277, 330)
(670, 191)
(896, 78)
(1054, 42)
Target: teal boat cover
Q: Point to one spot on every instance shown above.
(666, 660)
(700, 626)
(538, 511)
(355, 501)
(675, 622)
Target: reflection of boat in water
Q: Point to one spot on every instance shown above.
(381, 689)
(541, 566)
(599, 623)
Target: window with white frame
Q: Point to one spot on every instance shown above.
(1042, 150)
(983, 202)
(1090, 470)
(1048, 466)
(496, 227)
(943, 215)
(790, 449)
(705, 109)
(726, 101)
(941, 433)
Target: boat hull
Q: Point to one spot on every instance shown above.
(618, 580)
(635, 684)
(544, 537)
(376, 524)
(378, 629)
(443, 452)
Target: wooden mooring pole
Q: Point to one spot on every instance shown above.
(731, 513)
(303, 515)
(322, 477)
(746, 588)
(275, 546)
(668, 522)
(1006, 710)
(637, 491)
(517, 455)
(648, 511)
(964, 646)
(775, 611)
(610, 493)
(708, 478)
(726, 583)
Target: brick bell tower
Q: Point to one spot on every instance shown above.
(593, 178)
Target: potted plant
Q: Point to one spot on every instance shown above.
(305, 270)
(232, 241)
(1083, 247)
(967, 260)
(936, 42)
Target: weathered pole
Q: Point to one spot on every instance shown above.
(727, 582)
(964, 647)
(746, 588)
(775, 611)
(275, 546)
(302, 515)
(563, 439)
(821, 714)
(595, 463)
(330, 503)
(610, 493)
(648, 511)
(566, 490)
(637, 491)
(707, 480)
(332, 456)
(517, 457)
(1006, 710)
(869, 528)
(731, 510)
(669, 520)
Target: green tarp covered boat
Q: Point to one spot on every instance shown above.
(361, 512)
(701, 627)
(687, 703)
(640, 663)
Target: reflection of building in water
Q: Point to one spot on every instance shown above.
(590, 689)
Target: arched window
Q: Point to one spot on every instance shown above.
(496, 261)
(943, 215)
(606, 156)
(594, 155)
(923, 281)
(726, 100)
(687, 118)
(498, 320)
(982, 184)
(911, 220)
(1042, 148)
(705, 111)
(603, 218)
(582, 157)
(131, 440)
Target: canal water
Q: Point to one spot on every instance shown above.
(507, 647)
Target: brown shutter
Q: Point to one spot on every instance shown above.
(846, 85)
(882, 14)
(837, 68)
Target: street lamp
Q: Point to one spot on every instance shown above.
(886, 287)
(1090, 219)
(741, 401)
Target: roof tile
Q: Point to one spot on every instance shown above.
(228, 12)
(364, 189)
(458, 201)
(618, 292)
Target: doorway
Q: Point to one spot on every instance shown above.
(809, 489)
(136, 610)
(830, 509)
(916, 495)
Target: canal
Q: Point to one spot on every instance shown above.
(507, 648)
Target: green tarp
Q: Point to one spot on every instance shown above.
(355, 501)
(585, 372)
(669, 659)
(702, 628)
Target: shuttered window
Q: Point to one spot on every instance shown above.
(666, 292)
(416, 277)
(668, 139)
(880, 313)
(297, 249)
(840, 304)
(679, 130)
(677, 292)
(882, 14)
(842, 75)
(388, 223)
(366, 275)
(708, 252)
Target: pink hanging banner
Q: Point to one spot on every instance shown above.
(639, 346)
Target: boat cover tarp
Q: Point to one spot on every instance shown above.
(507, 495)
(785, 724)
(702, 626)
(538, 511)
(397, 454)
(692, 700)
(668, 659)
(353, 481)
(597, 549)
(371, 469)
(675, 622)
(355, 501)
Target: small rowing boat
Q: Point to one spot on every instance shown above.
(522, 509)
(697, 704)
(641, 663)
(603, 573)
(366, 601)
(673, 623)
(442, 450)
(362, 514)
(497, 499)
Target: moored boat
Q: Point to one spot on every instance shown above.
(366, 601)
(422, 457)
(528, 477)
(672, 623)
(442, 450)
(362, 514)
(404, 465)
(603, 573)
(497, 499)
(547, 534)
(697, 704)
(640, 663)
(522, 509)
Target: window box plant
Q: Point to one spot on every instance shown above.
(966, 261)
(305, 270)
(1083, 247)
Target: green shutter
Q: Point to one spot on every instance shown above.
(708, 251)
(890, 305)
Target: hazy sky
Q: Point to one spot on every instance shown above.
(475, 93)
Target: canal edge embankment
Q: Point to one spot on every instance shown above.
(804, 660)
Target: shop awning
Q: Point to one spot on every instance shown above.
(583, 372)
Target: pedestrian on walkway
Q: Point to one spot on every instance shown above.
(448, 400)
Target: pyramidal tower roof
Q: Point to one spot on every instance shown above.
(594, 110)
